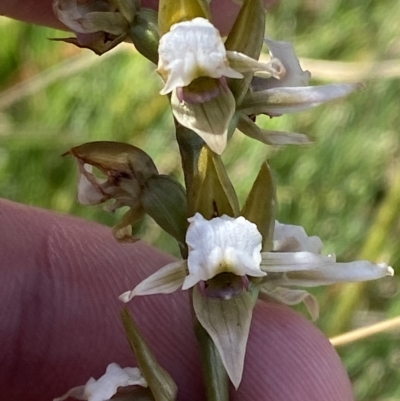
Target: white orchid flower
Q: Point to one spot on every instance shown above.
(192, 49)
(193, 53)
(107, 385)
(233, 245)
(226, 246)
(220, 245)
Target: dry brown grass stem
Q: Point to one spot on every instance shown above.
(365, 332)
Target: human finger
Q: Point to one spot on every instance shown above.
(40, 12)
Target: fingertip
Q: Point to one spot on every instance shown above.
(288, 358)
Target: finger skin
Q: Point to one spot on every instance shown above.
(61, 277)
(40, 12)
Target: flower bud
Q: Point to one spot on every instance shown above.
(144, 34)
(100, 25)
(164, 199)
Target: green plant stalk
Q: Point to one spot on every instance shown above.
(190, 145)
(215, 376)
(350, 295)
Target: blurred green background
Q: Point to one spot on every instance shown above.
(344, 188)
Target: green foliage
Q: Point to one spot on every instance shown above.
(335, 188)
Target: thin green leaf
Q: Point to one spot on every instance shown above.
(160, 382)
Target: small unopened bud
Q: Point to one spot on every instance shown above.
(164, 199)
(144, 34)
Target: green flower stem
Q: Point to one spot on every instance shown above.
(190, 145)
(215, 376)
(387, 217)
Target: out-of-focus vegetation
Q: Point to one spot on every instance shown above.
(344, 188)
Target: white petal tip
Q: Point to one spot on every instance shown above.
(390, 270)
(165, 90)
(126, 296)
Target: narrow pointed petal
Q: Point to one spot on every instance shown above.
(284, 235)
(174, 80)
(273, 138)
(333, 273)
(279, 101)
(242, 63)
(164, 281)
(285, 262)
(210, 120)
(228, 323)
(89, 187)
(291, 297)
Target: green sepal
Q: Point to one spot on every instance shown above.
(164, 199)
(160, 382)
(174, 11)
(144, 34)
(227, 321)
(210, 120)
(212, 194)
(261, 204)
(246, 36)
